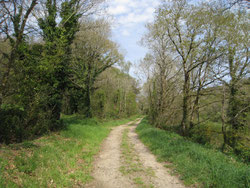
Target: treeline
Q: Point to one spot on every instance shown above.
(197, 72)
(53, 59)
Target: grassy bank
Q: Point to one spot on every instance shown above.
(62, 159)
(195, 164)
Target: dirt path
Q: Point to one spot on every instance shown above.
(162, 177)
(107, 173)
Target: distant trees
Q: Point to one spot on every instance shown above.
(93, 53)
(198, 47)
(115, 95)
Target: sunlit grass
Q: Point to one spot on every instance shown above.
(194, 163)
(62, 159)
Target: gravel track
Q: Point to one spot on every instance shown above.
(106, 171)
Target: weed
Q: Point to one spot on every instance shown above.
(138, 180)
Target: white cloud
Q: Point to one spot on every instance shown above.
(131, 12)
(118, 10)
(150, 10)
(133, 18)
(125, 33)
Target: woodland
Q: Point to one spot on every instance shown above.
(57, 57)
(197, 73)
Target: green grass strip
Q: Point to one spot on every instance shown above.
(195, 164)
(62, 159)
(132, 166)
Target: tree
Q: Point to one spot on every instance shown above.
(115, 95)
(57, 52)
(165, 74)
(235, 65)
(34, 73)
(192, 39)
(58, 37)
(208, 44)
(13, 20)
(93, 53)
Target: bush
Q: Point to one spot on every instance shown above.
(201, 134)
(11, 123)
(18, 123)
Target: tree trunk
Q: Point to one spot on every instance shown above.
(195, 109)
(223, 128)
(87, 96)
(1, 99)
(232, 112)
(185, 107)
(233, 107)
(125, 102)
(88, 103)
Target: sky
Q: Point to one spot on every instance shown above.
(129, 19)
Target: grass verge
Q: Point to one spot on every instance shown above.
(195, 164)
(62, 159)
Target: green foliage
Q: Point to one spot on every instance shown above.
(131, 104)
(201, 134)
(35, 76)
(11, 123)
(116, 95)
(194, 163)
(99, 103)
(56, 56)
(92, 53)
(55, 76)
(208, 44)
(241, 147)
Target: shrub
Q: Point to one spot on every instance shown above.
(11, 123)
